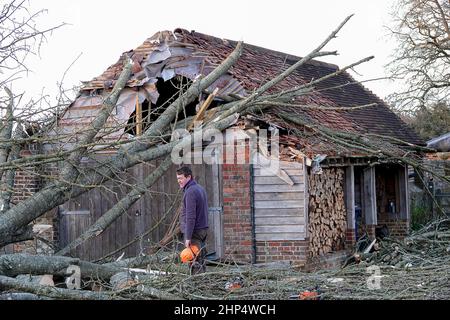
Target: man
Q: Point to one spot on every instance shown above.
(194, 218)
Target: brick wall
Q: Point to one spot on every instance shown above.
(294, 251)
(237, 224)
(28, 181)
(350, 238)
(397, 228)
(52, 172)
(237, 227)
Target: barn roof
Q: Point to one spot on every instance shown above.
(190, 53)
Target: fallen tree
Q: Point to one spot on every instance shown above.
(75, 179)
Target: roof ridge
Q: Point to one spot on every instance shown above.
(280, 54)
(258, 63)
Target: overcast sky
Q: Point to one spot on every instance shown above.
(101, 30)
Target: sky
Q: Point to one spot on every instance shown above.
(98, 31)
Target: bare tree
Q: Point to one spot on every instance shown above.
(422, 59)
(20, 36)
(430, 122)
(74, 179)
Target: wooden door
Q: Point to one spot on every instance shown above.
(209, 176)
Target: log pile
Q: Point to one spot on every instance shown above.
(424, 276)
(327, 214)
(430, 246)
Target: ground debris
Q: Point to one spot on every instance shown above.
(417, 267)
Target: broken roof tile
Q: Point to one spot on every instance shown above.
(185, 51)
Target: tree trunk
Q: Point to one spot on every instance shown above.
(58, 193)
(25, 211)
(7, 283)
(12, 265)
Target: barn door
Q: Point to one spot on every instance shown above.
(209, 176)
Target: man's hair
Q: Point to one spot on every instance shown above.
(186, 171)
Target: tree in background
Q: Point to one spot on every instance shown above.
(422, 59)
(430, 122)
(20, 37)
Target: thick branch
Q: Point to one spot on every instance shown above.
(22, 213)
(6, 129)
(7, 283)
(119, 208)
(8, 181)
(315, 53)
(58, 193)
(69, 172)
(12, 265)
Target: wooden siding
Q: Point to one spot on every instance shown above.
(279, 207)
(76, 215)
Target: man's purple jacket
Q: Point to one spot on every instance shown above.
(195, 209)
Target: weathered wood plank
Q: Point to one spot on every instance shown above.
(350, 195)
(279, 188)
(150, 209)
(289, 164)
(282, 165)
(210, 240)
(280, 236)
(279, 220)
(403, 192)
(155, 214)
(102, 204)
(277, 180)
(370, 199)
(205, 179)
(283, 204)
(72, 232)
(258, 172)
(76, 212)
(274, 196)
(95, 243)
(216, 197)
(146, 203)
(125, 231)
(78, 224)
(297, 212)
(82, 114)
(210, 187)
(162, 205)
(278, 228)
(163, 201)
(62, 228)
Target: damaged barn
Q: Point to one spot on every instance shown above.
(341, 172)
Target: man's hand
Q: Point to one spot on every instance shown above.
(187, 243)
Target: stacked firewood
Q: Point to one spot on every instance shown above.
(429, 246)
(327, 214)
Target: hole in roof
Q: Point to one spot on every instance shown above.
(168, 91)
